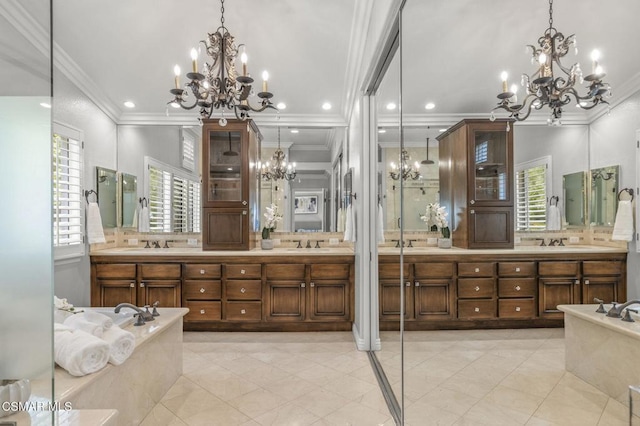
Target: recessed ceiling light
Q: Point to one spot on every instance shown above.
(442, 130)
(295, 130)
(281, 105)
(382, 131)
(430, 105)
(391, 106)
(129, 104)
(45, 105)
(326, 106)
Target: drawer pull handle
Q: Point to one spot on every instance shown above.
(312, 284)
(303, 285)
(202, 271)
(518, 288)
(244, 212)
(517, 269)
(517, 308)
(477, 270)
(202, 290)
(476, 309)
(242, 271)
(477, 288)
(132, 285)
(576, 282)
(243, 290)
(201, 311)
(407, 284)
(586, 282)
(243, 311)
(417, 283)
(141, 285)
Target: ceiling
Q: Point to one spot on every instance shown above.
(453, 53)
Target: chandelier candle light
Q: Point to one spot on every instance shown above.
(404, 170)
(277, 168)
(555, 90)
(219, 86)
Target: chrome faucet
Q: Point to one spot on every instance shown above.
(553, 242)
(146, 316)
(156, 244)
(616, 310)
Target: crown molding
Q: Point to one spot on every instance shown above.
(627, 89)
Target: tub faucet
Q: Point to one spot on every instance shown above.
(616, 310)
(147, 316)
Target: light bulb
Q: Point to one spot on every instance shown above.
(265, 78)
(598, 70)
(176, 71)
(595, 55)
(504, 77)
(542, 59)
(243, 59)
(194, 60)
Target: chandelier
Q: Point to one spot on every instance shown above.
(555, 90)
(278, 167)
(404, 170)
(219, 86)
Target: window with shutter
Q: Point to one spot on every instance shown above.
(532, 179)
(68, 199)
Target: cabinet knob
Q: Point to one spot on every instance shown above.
(303, 285)
(407, 284)
(517, 269)
(141, 285)
(576, 282)
(244, 203)
(476, 309)
(244, 212)
(201, 311)
(518, 288)
(517, 308)
(201, 289)
(417, 283)
(312, 284)
(243, 311)
(242, 271)
(472, 211)
(472, 202)
(243, 290)
(132, 285)
(477, 270)
(201, 271)
(586, 282)
(477, 288)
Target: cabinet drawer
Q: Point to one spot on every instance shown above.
(116, 270)
(202, 289)
(285, 272)
(243, 311)
(203, 311)
(517, 269)
(559, 269)
(392, 270)
(330, 271)
(202, 270)
(434, 270)
(516, 308)
(476, 287)
(472, 309)
(476, 269)
(517, 287)
(160, 271)
(244, 271)
(244, 289)
(596, 267)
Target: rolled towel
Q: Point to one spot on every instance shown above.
(96, 317)
(121, 344)
(80, 322)
(78, 352)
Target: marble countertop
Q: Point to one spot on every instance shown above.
(588, 313)
(580, 249)
(188, 251)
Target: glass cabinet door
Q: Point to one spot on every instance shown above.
(490, 172)
(225, 161)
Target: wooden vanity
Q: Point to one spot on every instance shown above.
(225, 291)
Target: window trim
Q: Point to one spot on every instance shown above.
(537, 162)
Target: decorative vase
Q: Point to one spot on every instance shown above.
(444, 243)
(266, 244)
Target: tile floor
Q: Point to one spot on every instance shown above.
(485, 377)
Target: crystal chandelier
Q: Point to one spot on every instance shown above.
(277, 168)
(404, 170)
(219, 86)
(555, 90)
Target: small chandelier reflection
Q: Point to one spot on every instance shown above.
(218, 86)
(599, 175)
(277, 168)
(404, 170)
(555, 90)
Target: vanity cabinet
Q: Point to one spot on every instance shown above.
(229, 184)
(202, 291)
(517, 290)
(329, 292)
(476, 183)
(434, 291)
(243, 292)
(603, 280)
(389, 297)
(476, 290)
(559, 284)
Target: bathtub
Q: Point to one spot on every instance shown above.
(121, 319)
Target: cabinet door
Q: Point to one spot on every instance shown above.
(285, 301)
(604, 288)
(390, 300)
(490, 227)
(226, 229)
(329, 300)
(556, 291)
(491, 172)
(113, 292)
(435, 299)
(166, 292)
(224, 180)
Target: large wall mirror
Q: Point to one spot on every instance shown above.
(107, 189)
(127, 200)
(604, 195)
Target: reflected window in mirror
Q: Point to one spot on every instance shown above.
(128, 200)
(174, 198)
(533, 196)
(107, 188)
(575, 203)
(604, 193)
(68, 198)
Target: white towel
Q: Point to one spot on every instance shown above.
(340, 224)
(121, 344)
(97, 318)
(80, 322)
(78, 352)
(95, 233)
(134, 222)
(623, 227)
(380, 230)
(350, 225)
(554, 218)
(143, 220)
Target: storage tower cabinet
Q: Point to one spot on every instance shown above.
(229, 184)
(476, 183)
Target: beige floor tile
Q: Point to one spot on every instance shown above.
(375, 400)
(472, 387)
(502, 396)
(319, 375)
(579, 394)
(224, 384)
(615, 414)
(558, 412)
(355, 414)
(287, 414)
(421, 413)
(182, 386)
(264, 376)
(346, 364)
(290, 388)
(533, 381)
(349, 387)
(486, 412)
(295, 363)
(257, 402)
(321, 402)
(223, 415)
(161, 416)
(191, 403)
(455, 402)
(242, 364)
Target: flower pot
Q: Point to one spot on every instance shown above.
(266, 244)
(444, 243)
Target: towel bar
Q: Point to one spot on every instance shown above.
(628, 191)
(89, 192)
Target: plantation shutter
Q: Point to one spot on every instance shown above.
(531, 196)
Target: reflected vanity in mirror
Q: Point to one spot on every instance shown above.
(604, 192)
(107, 188)
(575, 196)
(128, 199)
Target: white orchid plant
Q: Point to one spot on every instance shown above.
(436, 215)
(64, 305)
(272, 217)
